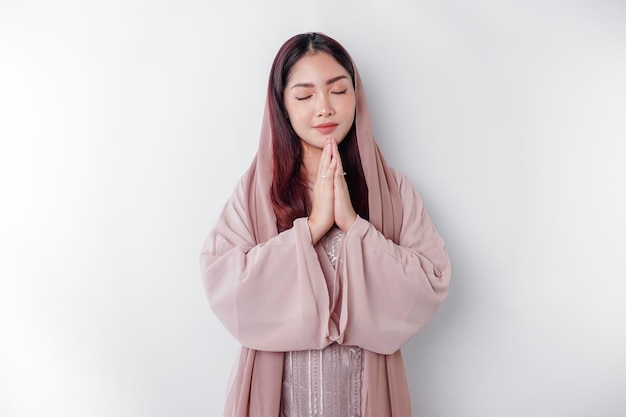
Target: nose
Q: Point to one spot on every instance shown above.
(324, 107)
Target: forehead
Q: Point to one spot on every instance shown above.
(316, 68)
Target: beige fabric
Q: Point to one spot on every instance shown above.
(322, 383)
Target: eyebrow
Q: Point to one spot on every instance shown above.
(329, 82)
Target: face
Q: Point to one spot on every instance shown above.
(320, 100)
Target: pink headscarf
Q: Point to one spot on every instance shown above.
(255, 389)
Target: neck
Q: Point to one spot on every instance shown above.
(311, 162)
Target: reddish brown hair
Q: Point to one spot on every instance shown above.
(289, 190)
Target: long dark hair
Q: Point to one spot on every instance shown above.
(289, 191)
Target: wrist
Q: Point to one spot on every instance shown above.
(317, 232)
(347, 225)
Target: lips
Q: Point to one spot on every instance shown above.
(326, 128)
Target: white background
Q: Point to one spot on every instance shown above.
(124, 126)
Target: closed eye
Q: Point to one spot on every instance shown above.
(302, 98)
(340, 92)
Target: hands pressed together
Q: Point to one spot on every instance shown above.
(331, 202)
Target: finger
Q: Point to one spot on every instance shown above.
(339, 172)
(335, 149)
(325, 160)
(332, 169)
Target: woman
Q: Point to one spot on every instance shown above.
(324, 261)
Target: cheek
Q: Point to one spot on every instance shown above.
(295, 120)
(290, 109)
(350, 106)
(297, 115)
(350, 110)
(293, 115)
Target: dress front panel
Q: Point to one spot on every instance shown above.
(326, 382)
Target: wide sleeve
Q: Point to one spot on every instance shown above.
(270, 296)
(390, 291)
